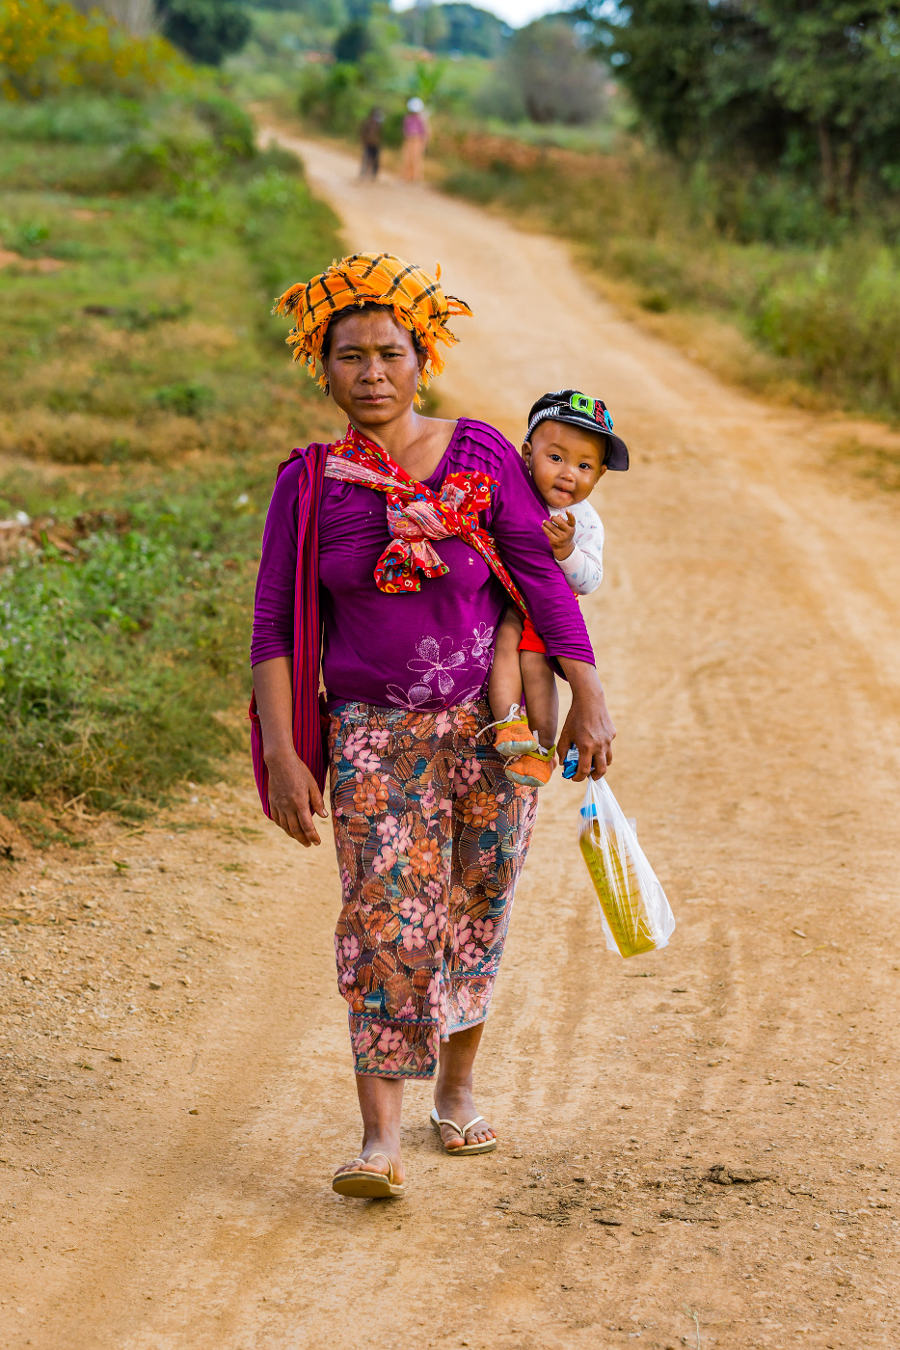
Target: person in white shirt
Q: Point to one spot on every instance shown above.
(569, 446)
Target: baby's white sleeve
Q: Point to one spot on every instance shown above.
(583, 569)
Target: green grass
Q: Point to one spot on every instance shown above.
(118, 659)
(148, 396)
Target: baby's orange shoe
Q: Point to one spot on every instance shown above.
(533, 769)
(513, 736)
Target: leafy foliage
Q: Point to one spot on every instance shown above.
(828, 311)
(556, 79)
(123, 631)
(47, 47)
(112, 659)
(353, 42)
(207, 30)
(455, 28)
(790, 83)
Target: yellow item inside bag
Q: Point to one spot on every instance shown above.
(635, 913)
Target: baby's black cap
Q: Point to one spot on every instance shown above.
(580, 410)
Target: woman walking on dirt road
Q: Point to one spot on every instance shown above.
(397, 540)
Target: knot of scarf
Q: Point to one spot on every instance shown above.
(416, 515)
(415, 520)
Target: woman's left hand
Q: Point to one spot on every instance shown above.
(588, 726)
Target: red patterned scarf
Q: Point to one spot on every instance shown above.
(416, 515)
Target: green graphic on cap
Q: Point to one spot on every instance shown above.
(581, 403)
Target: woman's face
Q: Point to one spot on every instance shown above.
(372, 367)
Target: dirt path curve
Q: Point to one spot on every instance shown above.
(747, 636)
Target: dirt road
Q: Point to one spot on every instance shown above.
(697, 1148)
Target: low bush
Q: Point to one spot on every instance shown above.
(181, 143)
(334, 97)
(48, 47)
(79, 119)
(187, 397)
(231, 127)
(837, 318)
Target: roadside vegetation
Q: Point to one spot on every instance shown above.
(817, 300)
(147, 399)
(731, 171)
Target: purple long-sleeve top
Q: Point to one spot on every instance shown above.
(427, 649)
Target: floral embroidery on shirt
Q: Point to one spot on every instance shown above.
(481, 644)
(434, 665)
(437, 660)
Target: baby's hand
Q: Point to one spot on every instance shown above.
(560, 531)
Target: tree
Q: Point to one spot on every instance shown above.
(837, 66)
(805, 82)
(558, 80)
(455, 28)
(696, 70)
(353, 42)
(207, 30)
(317, 13)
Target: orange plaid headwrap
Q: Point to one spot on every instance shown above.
(416, 300)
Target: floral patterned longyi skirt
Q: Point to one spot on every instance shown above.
(431, 838)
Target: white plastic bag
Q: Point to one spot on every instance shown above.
(634, 911)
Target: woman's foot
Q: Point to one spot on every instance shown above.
(371, 1176)
(385, 1158)
(378, 1169)
(457, 1104)
(453, 1100)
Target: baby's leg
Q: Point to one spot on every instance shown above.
(541, 701)
(505, 683)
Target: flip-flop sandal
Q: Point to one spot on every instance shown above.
(363, 1185)
(463, 1150)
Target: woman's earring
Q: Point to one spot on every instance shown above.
(327, 388)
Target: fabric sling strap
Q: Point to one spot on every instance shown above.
(307, 718)
(415, 515)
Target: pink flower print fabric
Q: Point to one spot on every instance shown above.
(431, 838)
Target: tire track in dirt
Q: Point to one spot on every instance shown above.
(746, 637)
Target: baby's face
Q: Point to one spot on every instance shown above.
(565, 462)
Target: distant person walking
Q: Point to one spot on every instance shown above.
(370, 140)
(415, 139)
